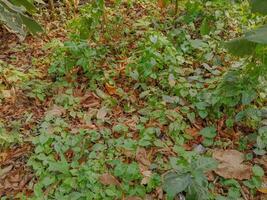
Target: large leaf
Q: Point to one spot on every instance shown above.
(241, 47)
(174, 183)
(31, 24)
(13, 16)
(12, 21)
(258, 36)
(259, 6)
(26, 4)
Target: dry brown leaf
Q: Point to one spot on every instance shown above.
(263, 188)
(194, 132)
(230, 164)
(6, 94)
(108, 179)
(141, 156)
(5, 170)
(56, 111)
(111, 89)
(147, 174)
(161, 3)
(101, 114)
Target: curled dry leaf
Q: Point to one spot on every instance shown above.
(108, 179)
(230, 164)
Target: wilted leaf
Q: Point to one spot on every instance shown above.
(161, 3)
(101, 114)
(5, 170)
(141, 156)
(230, 164)
(263, 188)
(147, 174)
(108, 179)
(111, 89)
(56, 111)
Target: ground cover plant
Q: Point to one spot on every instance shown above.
(133, 99)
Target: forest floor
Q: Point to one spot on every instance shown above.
(138, 110)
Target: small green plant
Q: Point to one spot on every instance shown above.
(8, 138)
(87, 25)
(71, 56)
(157, 60)
(256, 181)
(188, 175)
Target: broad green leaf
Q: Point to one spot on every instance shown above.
(248, 97)
(174, 183)
(31, 25)
(258, 171)
(241, 47)
(209, 132)
(26, 4)
(258, 35)
(259, 6)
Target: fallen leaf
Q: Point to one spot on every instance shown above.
(5, 170)
(108, 179)
(56, 111)
(147, 174)
(101, 114)
(161, 3)
(230, 164)
(141, 156)
(6, 94)
(194, 132)
(111, 89)
(263, 188)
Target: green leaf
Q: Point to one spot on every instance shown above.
(209, 132)
(258, 35)
(248, 97)
(174, 183)
(258, 171)
(259, 6)
(241, 47)
(31, 25)
(204, 28)
(29, 6)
